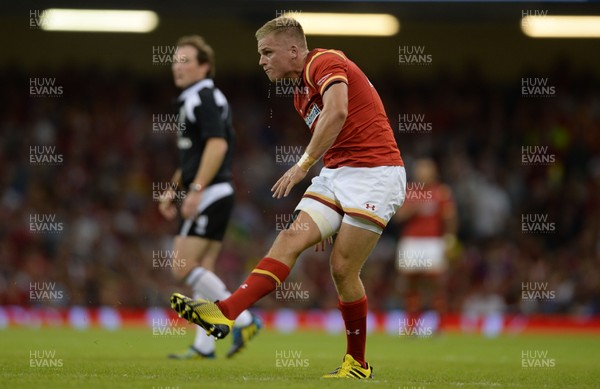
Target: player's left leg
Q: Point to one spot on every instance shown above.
(369, 198)
(437, 286)
(413, 300)
(350, 251)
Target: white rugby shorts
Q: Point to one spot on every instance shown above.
(421, 255)
(363, 197)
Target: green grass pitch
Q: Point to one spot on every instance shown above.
(135, 358)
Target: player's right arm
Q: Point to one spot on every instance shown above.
(166, 206)
(328, 73)
(331, 120)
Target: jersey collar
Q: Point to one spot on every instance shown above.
(194, 88)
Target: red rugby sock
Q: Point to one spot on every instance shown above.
(263, 280)
(355, 317)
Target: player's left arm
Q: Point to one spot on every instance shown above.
(449, 214)
(330, 123)
(450, 222)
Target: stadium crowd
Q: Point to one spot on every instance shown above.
(105, 156)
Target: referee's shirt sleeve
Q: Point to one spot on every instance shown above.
(210, 116)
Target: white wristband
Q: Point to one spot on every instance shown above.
(306, 162)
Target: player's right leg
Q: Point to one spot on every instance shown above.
(318, 216)
(199, 242)
(247, 325)
(217, 319)
(206, 285)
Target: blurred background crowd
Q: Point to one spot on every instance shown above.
(102, 190)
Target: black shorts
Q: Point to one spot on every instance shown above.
(213, 213)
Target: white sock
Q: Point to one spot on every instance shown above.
(203, 342)
(207, 284)
(244, 319)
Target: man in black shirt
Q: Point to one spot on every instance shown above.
(205, 141)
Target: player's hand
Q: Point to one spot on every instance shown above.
(189, 208)
(452, 247)
(166, 206)
(284, 185)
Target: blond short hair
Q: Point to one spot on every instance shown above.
(283, 25)
(205, 53)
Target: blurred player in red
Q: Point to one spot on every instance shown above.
(354, 196)
(429, 219)
(205, 143)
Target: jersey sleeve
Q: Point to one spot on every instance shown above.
(211, 113)
(325, 69)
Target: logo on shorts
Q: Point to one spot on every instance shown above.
(370, 206)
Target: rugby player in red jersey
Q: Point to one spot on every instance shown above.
(354, 196)
(430, 222)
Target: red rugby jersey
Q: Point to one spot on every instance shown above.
(366, 139)
(433, 202)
